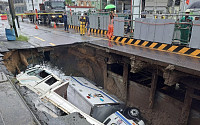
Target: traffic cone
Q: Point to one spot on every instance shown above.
(131, 31)
(54, 25)
(36, 27)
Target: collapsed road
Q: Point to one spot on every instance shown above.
(164, 86)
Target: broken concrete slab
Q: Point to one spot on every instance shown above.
(18, 45)
(3, 77)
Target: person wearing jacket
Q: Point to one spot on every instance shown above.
(87, 24)
(186, 27)
(82, 25)
(65, 21)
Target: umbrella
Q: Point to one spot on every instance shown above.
(194, 5)
(110, 6)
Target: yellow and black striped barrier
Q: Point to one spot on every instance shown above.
(157, 46)
(97, 31)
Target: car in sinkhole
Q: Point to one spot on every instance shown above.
(77, 94)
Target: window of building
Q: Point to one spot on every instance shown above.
(93, 3)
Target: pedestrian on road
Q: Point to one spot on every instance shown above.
(87, 24)
(82, 25)
(65, 21)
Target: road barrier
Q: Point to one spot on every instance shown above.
(195, 37)
(121, 41)
(3, 17)
(94, 31)
(157, 30)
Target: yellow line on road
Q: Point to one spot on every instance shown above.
(52, 44)
(39, 38)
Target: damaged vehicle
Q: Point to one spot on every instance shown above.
(77, 94)
(50, 88)
(98, 104)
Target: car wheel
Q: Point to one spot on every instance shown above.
(131, 113)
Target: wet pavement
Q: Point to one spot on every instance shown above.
(12, 109)
(45, 37)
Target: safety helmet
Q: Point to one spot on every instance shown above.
(81, 14)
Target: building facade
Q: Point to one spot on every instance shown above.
(156, 6)
(3, 5)
(98, 4)
(20, 6)
(35, 4)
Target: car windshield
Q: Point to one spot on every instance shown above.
(38, 73)
(57, 4)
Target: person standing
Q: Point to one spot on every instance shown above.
(129, 24)
(186, 27)
(111, 17)
(87, 24)
(82, 25)
(65, 22)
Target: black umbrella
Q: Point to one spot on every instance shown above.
(194, 5)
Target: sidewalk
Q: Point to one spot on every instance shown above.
(12, 109)
(6, 45)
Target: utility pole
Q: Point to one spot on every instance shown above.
(33, 5)
(12, 12)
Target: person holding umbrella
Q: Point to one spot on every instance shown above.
(111, 15)
(111, 19)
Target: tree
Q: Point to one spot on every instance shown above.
(68, 2)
